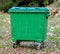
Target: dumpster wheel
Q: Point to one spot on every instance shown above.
(39, 46)
(14, 45)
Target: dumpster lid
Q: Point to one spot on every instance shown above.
(28, 9)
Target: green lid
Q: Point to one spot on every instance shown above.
(28, 9)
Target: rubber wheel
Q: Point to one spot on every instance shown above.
(38, 47)
(14, 45)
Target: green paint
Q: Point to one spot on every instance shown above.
(29, 25)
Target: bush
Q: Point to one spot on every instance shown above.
(5, 5)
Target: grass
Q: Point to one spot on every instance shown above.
(1, 37)
(4, 30)
(57, 31)
(54, 42)
(55, 5)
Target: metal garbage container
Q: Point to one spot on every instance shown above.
(28, 24)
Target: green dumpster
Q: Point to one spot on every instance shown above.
(28, 24)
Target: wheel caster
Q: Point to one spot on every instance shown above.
(14, 45)
(38, 46)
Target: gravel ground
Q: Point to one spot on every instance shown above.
(26, 51)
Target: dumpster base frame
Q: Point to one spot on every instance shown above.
(38, 40)
(38, 45)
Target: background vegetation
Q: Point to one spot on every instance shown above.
(6, 4)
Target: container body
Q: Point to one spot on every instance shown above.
(28, 26)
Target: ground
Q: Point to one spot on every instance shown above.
(52, 44)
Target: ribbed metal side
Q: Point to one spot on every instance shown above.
(28, 26)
